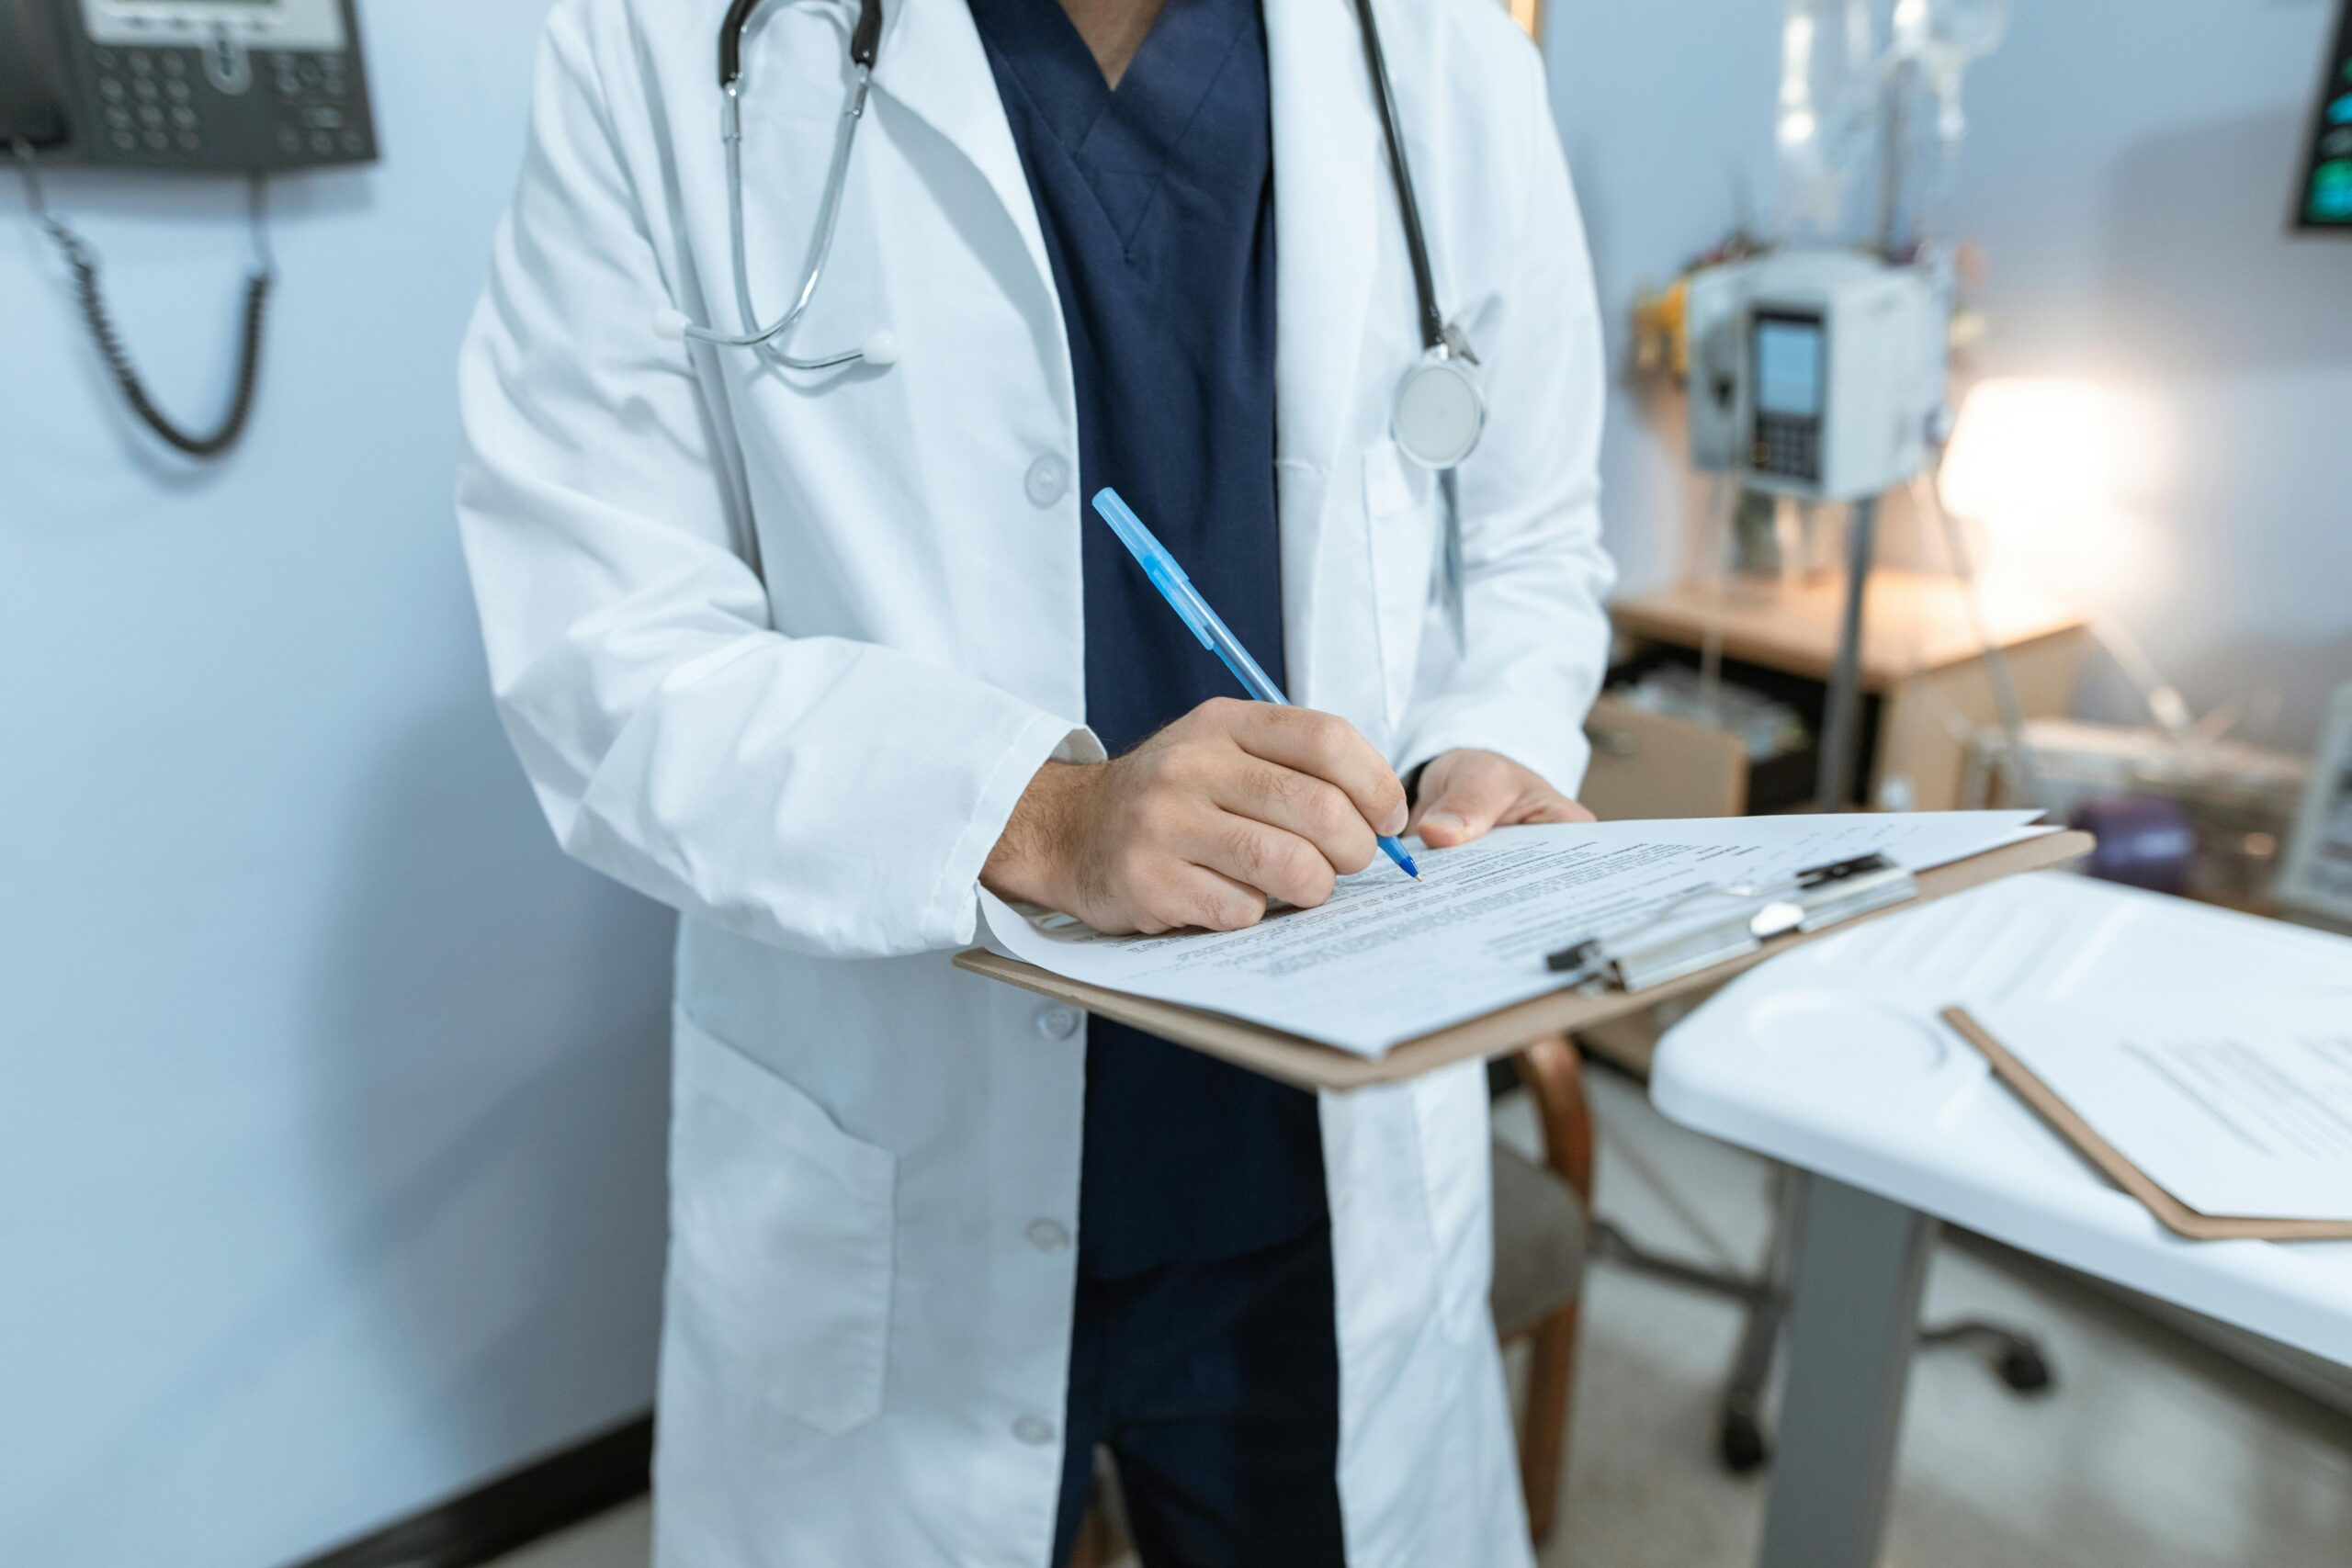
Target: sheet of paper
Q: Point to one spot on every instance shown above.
(2241, 1107)
(1388, 959)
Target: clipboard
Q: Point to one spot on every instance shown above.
(1309, 1063)
(2176, 1215)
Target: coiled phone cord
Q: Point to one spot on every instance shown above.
(83, 260)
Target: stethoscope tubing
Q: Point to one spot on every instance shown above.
(1437, 335)
(821, 243)
(1441, 341)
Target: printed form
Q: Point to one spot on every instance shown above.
(1388, 959)
(2239, 1106)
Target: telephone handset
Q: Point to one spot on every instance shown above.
(248, 86)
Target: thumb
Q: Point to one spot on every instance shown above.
(1467, 807)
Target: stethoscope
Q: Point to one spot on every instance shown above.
(1438, 412)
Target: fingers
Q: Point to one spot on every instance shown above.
(1465, 792)
(1194, 895)
(1301, 804)
(1277, 864)
(1324, 745)
(1469, 802)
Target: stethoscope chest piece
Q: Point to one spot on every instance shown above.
(1439, 411)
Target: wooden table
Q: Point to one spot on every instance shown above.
(1920, 656)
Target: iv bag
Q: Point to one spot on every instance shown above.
(1947, 36)
(1828, 102)
(1952, 34)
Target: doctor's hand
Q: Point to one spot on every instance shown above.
(1234, 803)
(1463, 793)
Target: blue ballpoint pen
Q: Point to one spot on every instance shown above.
(1186, 601)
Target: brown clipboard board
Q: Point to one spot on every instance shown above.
(2176, 1215)
(1312, 1065)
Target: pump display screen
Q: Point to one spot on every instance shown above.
(2326, 200)
(1788, 367)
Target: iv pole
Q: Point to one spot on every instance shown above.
(1841, 718)
(1842, 714)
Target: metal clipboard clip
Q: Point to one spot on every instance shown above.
(1667, 945)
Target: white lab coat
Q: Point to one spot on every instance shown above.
(874, 1157)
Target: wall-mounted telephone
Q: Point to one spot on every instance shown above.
(242, 85)
(184, 83)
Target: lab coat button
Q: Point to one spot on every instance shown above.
(1034, 1430)
(1048, 478)
(1056, 1023)
(1047, 1236)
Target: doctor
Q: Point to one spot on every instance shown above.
(812, 640)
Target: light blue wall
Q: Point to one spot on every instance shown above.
(2130, 171)
(331, 1095)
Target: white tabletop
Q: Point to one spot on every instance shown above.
(1832, 1059)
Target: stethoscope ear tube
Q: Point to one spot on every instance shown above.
(731, 41)
(1434, 332)
(865, 39)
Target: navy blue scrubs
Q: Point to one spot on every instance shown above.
(1203, 1350)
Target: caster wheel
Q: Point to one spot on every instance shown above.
(1740, 1441)
(2024, 1369)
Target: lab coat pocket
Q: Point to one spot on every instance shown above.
(781, 1235)
(1400, 498)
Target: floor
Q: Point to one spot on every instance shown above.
(2150, 1452)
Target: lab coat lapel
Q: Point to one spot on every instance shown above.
(932, 61)
(1326, 162)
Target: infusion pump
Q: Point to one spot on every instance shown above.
(1817, 374)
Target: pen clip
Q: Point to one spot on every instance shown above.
(1193, 610)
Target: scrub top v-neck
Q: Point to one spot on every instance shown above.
(1157, 203)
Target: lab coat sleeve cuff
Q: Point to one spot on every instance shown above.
(1534, 735)
(954, 905)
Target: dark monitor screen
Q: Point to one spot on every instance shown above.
(2325, 200)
